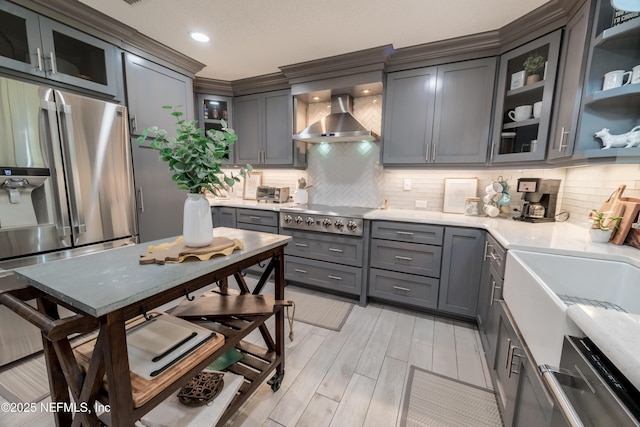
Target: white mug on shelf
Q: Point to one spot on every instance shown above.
(537, 110)
(614, 79)
(491, 210)
(520, 113)
(635, 74)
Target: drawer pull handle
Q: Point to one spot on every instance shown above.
(404, 233)
(335, 277)
(254, 218)
(400, 288)
(404, 258)
(304, 245)
(495, 257)
(300, 271)
(336, 250)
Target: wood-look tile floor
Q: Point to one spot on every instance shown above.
(355, 377)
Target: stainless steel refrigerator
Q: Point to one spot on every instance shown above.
(66, 180)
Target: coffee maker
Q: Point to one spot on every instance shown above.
(540, 197)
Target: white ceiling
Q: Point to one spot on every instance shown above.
(254, 37)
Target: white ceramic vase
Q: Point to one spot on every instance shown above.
(197, 228)
(599, 236)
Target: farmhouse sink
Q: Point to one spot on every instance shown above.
(538, 287)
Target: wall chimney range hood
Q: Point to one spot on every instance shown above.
(339, 126)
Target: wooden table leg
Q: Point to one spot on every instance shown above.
(279, 296)
(117, 369)
(57, 382)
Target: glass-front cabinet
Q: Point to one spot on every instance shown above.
(524, 100)
(212, 109)
(611, 97)
(37, 45)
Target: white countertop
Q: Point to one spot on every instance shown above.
(615, 334)
(561, 238)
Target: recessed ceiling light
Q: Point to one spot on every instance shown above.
(199, 37)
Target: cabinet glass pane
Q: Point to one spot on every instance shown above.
(520, 123)
(79, 59)
(13, 37)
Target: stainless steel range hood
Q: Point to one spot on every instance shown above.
(339, 126)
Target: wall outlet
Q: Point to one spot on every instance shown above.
(407, 185)
(421, 204)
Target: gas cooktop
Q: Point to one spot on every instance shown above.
(349, 211)
(345, 220)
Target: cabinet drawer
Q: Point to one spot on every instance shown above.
(342, 250)
(257, 227)
(406, 257)
(405, 288)
(256, 216)
(496, 255)
(403, 232)
(323, 274)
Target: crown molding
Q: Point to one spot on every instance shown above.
(212, 86)
(340, 65)
(86, 19)
(451, 50)
(265, 83)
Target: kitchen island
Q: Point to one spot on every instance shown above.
(108, 288)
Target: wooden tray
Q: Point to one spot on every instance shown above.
(144, 390)
(629, 216)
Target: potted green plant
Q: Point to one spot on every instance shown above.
(532, 65)
(195, 158)
(602, 225)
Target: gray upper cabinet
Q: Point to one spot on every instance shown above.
(149, 88)
(612, 47)
(463, 111)
(211, 110)
(408, 116)
(460, 276)
(439, 114)
(570, 79)
(524, 139)
(264, 124)
(42, 47)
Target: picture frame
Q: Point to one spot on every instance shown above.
(517, 79)
(456, 190)
(251, 183)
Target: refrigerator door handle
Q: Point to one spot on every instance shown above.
(71, 163)
(49, 110)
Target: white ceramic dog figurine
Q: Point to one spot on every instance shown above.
(626, 140)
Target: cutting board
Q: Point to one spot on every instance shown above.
(617, 195)
(629, 216)
(176, 250)
(144, 389)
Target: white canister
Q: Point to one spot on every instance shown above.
(300, 196)
(537, 110)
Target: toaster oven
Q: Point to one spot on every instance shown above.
(272, 194)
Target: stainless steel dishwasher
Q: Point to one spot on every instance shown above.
(588, 389)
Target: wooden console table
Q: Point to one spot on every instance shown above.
(108, 288)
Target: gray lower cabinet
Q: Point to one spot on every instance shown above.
(521, 395)
(330, 262)
(439, 114)
(257, 220)
(405, 263)
(461, 271)
(223, 216)
(264, 125)
(490, 295)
